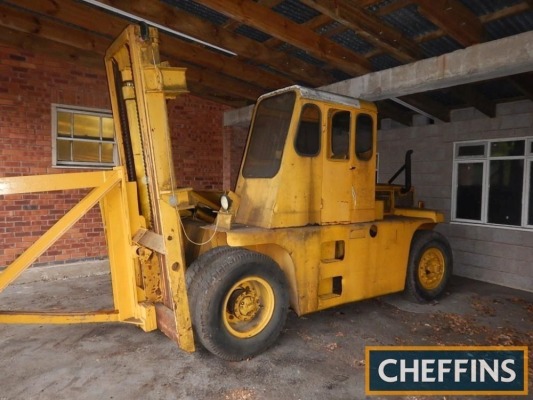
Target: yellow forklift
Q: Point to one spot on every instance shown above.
(307, 227)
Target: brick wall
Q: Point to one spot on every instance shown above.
(487, 253)
(234, 143)
(29, 84)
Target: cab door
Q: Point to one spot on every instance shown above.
(337, 164)
(363, 170)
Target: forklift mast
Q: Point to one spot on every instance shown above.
(139, 85)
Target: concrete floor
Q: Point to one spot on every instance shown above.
(320, 356)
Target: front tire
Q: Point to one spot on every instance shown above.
(241, 304)
(430, 266)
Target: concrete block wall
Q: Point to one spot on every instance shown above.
(491, 254)
(29, 84)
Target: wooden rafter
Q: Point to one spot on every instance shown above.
(524, 83)
(246, 49)
(52, 30)
(368, 27)
(429, 106)
(454, 19)
(266, 20)
(473, 97)
(388, 109)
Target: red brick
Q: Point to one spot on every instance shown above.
(29, 84)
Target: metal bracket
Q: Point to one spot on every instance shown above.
(150, 240)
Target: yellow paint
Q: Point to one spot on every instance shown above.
(317, 214)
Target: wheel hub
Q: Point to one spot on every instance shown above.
(431, 268)
(248, 307)
(244, 305)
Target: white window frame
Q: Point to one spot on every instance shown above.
(485, 160)
(55, 109)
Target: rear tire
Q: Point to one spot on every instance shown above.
(430, 266)
(241, 304)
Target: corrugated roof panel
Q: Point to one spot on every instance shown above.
(509, 26)
(328, 27)
(384, 61)
(439, 46)
(199, 10)
(340, 75)
(295, 11)
(409, 21)
(482, 7)
(301, 54)
(252, 33)
(352, 41)
(376, 7)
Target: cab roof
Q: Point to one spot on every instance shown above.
(320, 95)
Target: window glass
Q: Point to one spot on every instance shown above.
(471, 150)
(83, 137)
(508, 148)
(86, 126)
(505, 192)
(308, 135)
(469, 191)
(494, 188)
(268, 135)
(340, 135)
(64, 124)
(364, 126)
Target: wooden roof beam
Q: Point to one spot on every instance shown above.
(429, 107)
(369, 27)
(61, 51)
(44, 28)
(246, 49)
(389, 109)
(473, 97)
(110, 26)
(268, 21)
(524, 83)
(454, 19)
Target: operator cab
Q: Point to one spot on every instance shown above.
(310, 159)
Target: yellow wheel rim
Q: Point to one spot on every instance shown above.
(431, 268)
(248, 307)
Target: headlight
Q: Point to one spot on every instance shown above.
(225, 202)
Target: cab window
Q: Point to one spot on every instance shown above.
(364, 137)
(307, 143)
(340, 135)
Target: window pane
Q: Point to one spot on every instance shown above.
(64, 124)
(364, 126)
(308, 136)
(471, 150)
(107, 152)
(340, 135)
(86, 126)
(510, 148)
(108, 131)
(63, 150)
(268, 134)
(530, 208)
(505, 192)
(469, 191)
(86, 151)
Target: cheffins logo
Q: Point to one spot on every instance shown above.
(455, 370)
